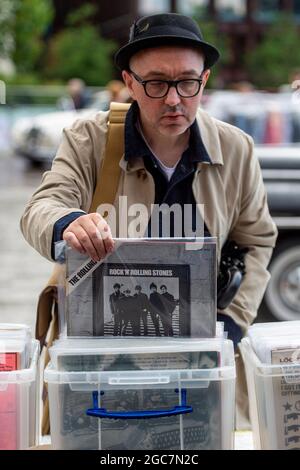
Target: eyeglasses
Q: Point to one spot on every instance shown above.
(186, 88)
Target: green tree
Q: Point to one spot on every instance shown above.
(213, 36)
(271, 62)
(31, 20)
(80, 51)
(7, 16)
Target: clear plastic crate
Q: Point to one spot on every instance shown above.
(18, 405)
(190, 408)
(274, 397)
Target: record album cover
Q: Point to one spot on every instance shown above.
(146, 287)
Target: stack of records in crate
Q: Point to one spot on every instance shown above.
(15, 346)
(18, 382)
(272, 357)
(141, 362)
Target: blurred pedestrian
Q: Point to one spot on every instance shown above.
(77, 96)
(117, 91)
(294, 82)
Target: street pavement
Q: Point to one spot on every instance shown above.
(23, 272)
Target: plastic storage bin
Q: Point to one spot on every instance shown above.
(143, 408)
(274, 396)
(18, 405)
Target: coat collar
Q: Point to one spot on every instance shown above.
(210, 137)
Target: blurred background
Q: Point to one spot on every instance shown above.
(56, 65)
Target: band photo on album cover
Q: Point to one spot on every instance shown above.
(141, 300)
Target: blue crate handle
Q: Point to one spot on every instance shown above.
(103, 413)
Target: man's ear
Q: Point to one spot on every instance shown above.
(206, 75)
(128, 80)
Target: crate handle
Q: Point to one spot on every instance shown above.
(103, 413)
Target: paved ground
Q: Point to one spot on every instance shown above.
(23, 272)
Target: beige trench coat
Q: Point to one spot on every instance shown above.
(231, 188)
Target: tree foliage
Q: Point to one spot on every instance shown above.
(213, 36)
(271, 62)
(7, 16)
(80, 51)
(30, 23)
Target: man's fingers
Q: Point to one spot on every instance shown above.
(85, 240)
(104, 232)
(95, 237)
(106, 235)
(73, 242)
(91, 234)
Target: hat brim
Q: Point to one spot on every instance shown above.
(123, 56)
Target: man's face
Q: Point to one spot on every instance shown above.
(171, 115)
(163, 290)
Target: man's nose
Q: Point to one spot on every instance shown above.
(172, 98)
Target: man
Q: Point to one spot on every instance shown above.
(174, 153)
(157, 308)
(129, 313)
(143, 307)
(170, 305)
(114, 299)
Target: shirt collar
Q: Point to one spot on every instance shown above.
(135, 145)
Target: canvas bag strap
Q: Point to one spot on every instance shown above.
(109, 173)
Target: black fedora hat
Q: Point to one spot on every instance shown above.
(165, 29)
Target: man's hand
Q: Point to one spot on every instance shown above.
(90, 234)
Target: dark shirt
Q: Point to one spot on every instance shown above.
(179, 189)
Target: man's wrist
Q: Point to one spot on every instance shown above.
(59, 227)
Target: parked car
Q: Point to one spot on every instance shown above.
(37, 138)
(273, 120)
(281, 173)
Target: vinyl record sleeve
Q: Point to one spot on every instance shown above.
(146, 287)
(9, 361)
(286, 393)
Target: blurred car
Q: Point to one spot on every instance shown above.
(281, 174)
(37, 138)
(273, 120)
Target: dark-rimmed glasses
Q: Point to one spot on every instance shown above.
(186, 88)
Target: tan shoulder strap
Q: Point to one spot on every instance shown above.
(109, 173)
